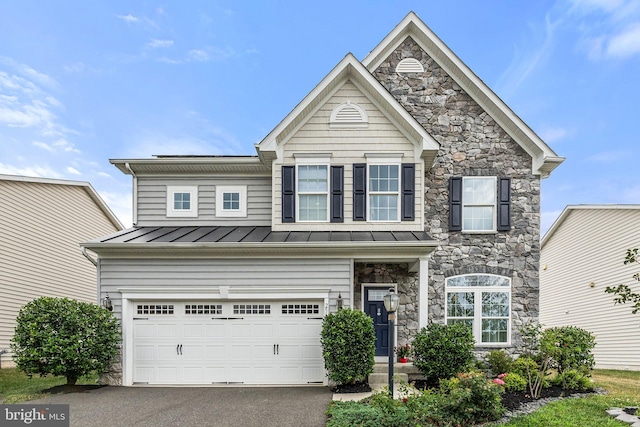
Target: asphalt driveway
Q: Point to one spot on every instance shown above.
(197, 406)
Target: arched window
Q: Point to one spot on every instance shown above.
(409, 65)
(348, 115)
(482, 301)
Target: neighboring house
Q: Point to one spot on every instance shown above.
(582, 253)
(403, 170)
(42, 222)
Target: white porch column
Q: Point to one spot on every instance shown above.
(423, 292)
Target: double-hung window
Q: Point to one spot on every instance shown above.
(482, 301)
(478, 203)
(313, 192)
(182, 201)
(384, 192)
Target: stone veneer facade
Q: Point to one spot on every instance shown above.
(471, 144)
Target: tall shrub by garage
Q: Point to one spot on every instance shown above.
(65, 337)
(348, 345)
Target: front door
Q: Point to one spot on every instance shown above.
(374, 307)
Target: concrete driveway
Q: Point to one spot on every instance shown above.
(197, 406)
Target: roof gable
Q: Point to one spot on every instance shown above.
(351, 69)
(544, 159)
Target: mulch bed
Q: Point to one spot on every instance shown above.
(351, 388)
(64, 389)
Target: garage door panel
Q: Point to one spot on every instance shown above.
(259, 344)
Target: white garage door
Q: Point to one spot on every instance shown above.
(231, 342)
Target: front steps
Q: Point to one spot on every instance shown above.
(402, 372)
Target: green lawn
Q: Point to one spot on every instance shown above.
(16, 387)
(623, 389)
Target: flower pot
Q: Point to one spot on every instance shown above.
(403, 360)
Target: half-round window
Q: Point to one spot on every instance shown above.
(409, 65)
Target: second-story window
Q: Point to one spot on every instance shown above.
(182, 201)
(384, 192)
(231, 200)
(313, 192)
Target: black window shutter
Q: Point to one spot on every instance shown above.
(408, 196)
(360, 192)
(455, 204)
(504, 204)
(288, 194)
(337, 193)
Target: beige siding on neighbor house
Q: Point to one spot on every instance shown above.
(589, 247)
(152, 200)
(42, 226)
(348, 146)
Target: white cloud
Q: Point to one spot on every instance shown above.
(44, 146)
(129, 18)
(198, 55)
(34, 171)
(120, 205)
(591, 5)
(73, 171)
(105, 175)
(626, 43)
(156, 43)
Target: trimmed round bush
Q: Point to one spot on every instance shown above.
(348, 345)
(499, 362)
(514, 382)
(65, 337)
(441, 351)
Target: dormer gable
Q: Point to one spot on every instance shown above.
(544, 159)
(351, 70)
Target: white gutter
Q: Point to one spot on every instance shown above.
(135, 193)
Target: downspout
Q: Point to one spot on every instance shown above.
(135, 193)
(87, 256)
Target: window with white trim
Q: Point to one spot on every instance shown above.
(182, 201)
(231, 201)
(384, 192)
(482, 301)
(478, 203)
(312, 192)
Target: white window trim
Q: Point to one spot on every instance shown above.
(391, 159)
(312, 161)
(182, 213)
(494, 206)
(231, 213)
(477, 307)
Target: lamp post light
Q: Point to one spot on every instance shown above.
(391, 301)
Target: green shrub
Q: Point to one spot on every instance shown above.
(348, 345)
(499, 362)
(441, 351)
(573, 379)
(471, 398)
(570, 347)
(524, 365)
(61, 336)
(380, 411)
(514, 382)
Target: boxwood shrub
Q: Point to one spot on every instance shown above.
(348, 345)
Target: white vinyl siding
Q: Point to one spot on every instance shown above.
(347, 147)
(42, 226)
(578, 261)
(152, 199)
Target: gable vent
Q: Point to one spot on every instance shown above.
(409, 65)
(348, 115)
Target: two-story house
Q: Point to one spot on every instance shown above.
(403, 170)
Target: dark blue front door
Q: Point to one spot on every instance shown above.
(374, 307)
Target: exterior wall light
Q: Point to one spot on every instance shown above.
(106, 303)
(339, 301)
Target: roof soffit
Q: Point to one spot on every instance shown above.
(349, 69)
(185, 165)
(544, 159)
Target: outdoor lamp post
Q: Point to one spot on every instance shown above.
(391, 301)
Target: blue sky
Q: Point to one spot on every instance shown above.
(82, 82)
